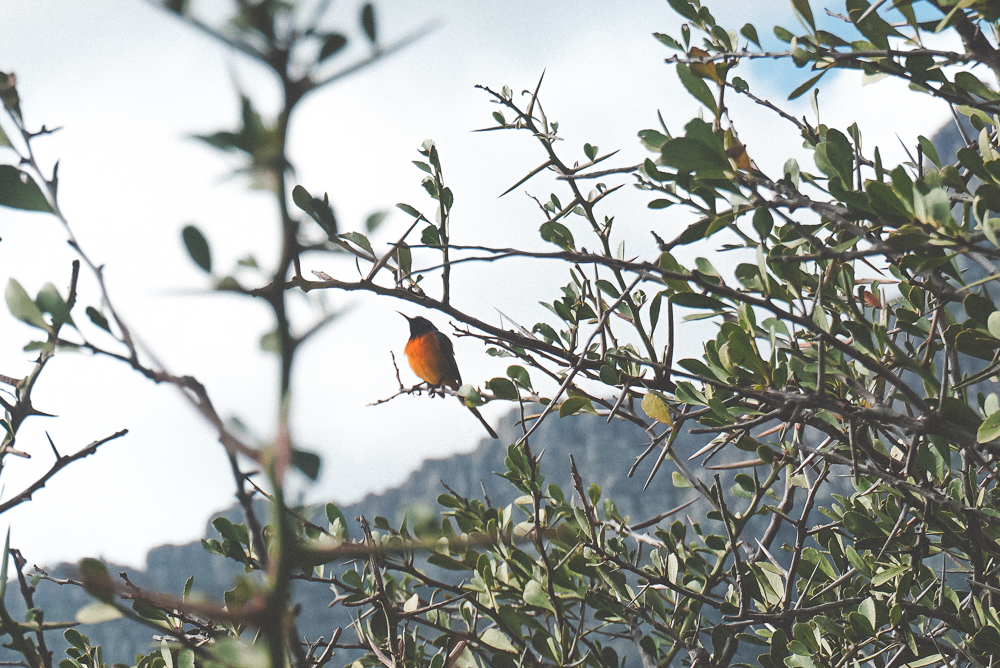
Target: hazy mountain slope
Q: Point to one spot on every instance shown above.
(603, 453)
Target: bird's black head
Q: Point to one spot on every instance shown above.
(419, 325)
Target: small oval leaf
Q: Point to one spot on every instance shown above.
(197, 247)
(503, 389)
(19, 191)
(97, 612)
(368, 21)
(333, 43)
(22, 307)
(655, 407)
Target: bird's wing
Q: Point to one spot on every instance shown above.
(449, 354)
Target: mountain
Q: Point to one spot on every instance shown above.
(603, 454)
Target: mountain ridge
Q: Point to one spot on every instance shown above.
(603, 452)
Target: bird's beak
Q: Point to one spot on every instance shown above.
(404, 315)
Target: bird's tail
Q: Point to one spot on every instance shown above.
(486, 424)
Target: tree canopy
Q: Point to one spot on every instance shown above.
(848, 390)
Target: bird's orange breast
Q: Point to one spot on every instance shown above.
(430, 362)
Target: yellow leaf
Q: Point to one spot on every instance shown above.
(655, 407)
(704, 70)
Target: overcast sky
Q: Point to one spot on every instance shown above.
(128, 84)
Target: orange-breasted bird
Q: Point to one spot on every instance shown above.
(432, 357)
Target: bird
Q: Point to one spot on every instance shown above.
(432, 357)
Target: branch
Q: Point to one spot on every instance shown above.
(948, 56)
(377, 55)
(60, 463)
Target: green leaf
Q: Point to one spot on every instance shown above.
(368, 21)
(302, 199)
(750, 32)
(96, 580)
(573, 405)
(222, 140)
(889, 574)
(989, 430)
(503, 389)
(374, 220)
(269, 342)
(861, 525)
(874, 27)
(791, 170)
(430, 236)
(50, 301)
(447, 563)
(237, 597)
(76, 639)
(978, 308)
(520, 376)
(360, 240)
(337, 520)
(668, 40)
(972, 84)
(97, 612)
(332, 43)
(803, 9)
(497, 640)
(318, 209)
(557, 233)
(804, 87)
(98, 318)
(692, 155)
(976, 343)
(835, 157)
(409, 209)
(763, 222)
(607, 288)
(987, 640)
(783, 34)
(928, 149)
(535, 594)
(19, 191)
(685, 9)
(608, 374)
(885, 202)
(867, 608)
(470, 395)
(697, 87)
(697, 300)
(678, 480)
(23, 308)
(993, 323)
(8, 94)
(306, 462)
(197, 247)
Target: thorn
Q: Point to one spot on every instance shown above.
(53, 445)
(871, 10)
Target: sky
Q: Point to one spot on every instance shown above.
(128, 84)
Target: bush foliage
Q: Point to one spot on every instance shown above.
(857, 337)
